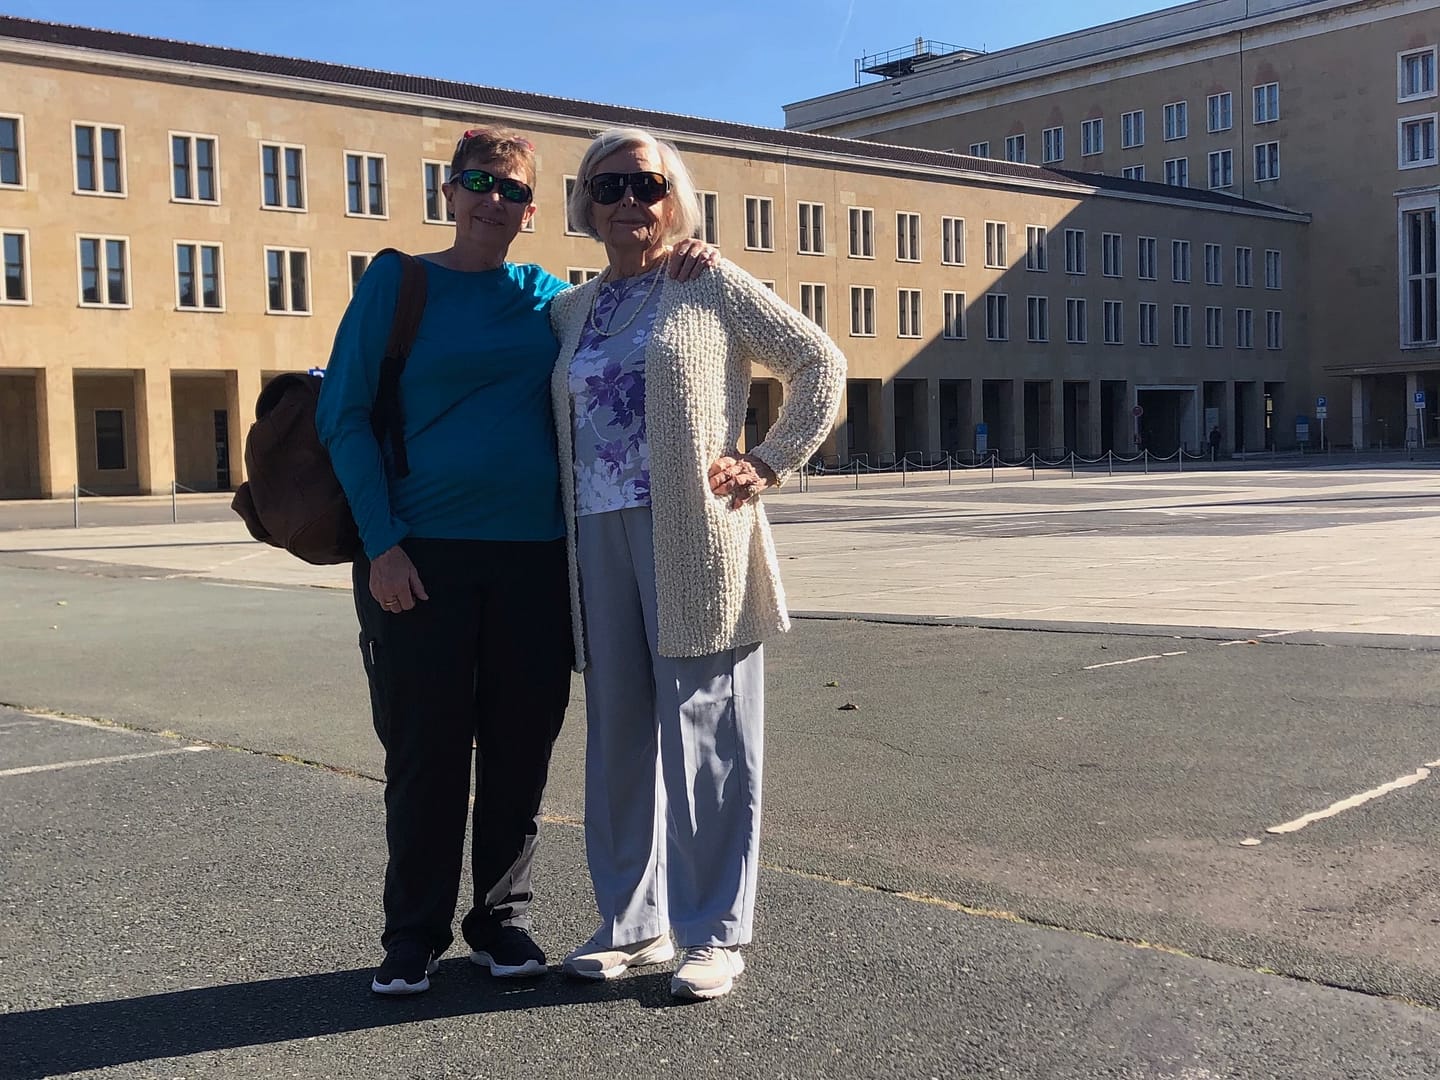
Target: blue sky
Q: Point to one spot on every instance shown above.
(739, 60)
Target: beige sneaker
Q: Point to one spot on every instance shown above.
(591, 961)
(706, 971)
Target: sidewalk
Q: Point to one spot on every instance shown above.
(1278, 551)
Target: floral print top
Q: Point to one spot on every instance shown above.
(607, 394)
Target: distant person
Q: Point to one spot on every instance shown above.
(461, 592)
(1214, 444)
(677, 575)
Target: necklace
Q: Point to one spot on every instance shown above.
(655, 276)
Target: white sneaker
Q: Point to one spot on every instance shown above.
(707, 971)
(591, 961)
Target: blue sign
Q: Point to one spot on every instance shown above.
(1419, 399)
(1302, 428)
(1320, 402)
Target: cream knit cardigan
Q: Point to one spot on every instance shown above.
(717, 580)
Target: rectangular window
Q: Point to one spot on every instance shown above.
(1177, 172)
(812, 228)
(437, 210)
(193, 168)
(364, 185)
(197, 277)
(1212, 265)
(1416, 74)
(954, 307)
(99, 159)
(759, 218)
(980, 149)
(1146, 257)
(1180, 261)
(1177, 120)
(109, 439)
(12, 153)
(360, 262)
(1015, 148)
(1112, 256)
(1244, 267)
(1417, 141)
(1037, 318)
(572, 227)
(862, 311)
(1037, 257)
(908, 304)
(1092, 136)
(1267, 103)
(1219, 112)
(1132, 129)
(907, 237)
(1148, 324)
(287, 272)
(579, 275)
(812, 303)
(1274, 332)
(1244, 328)
(1133, 172)
(1075, 251)
(952, 241)
(1222, 169)
(282, 177)
(1272, 268)
(1419, 301)
(104, 271)
(15, 286)
(1114, 312)
(1052, 145)
(709, 206)
(862, 233)
(997, 317)
(995, 246)
(1267, 161)
(1180, 325)
(1077, 331)
(1214, 334)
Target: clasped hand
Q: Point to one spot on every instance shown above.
(740, 477)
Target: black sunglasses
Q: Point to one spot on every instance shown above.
(609, 187)
(482, 183)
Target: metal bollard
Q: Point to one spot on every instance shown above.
(174, 502)
(77, 506)
(1072, 464)
(1110, 461)
(1145, 456)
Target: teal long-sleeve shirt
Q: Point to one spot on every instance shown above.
(476, 400)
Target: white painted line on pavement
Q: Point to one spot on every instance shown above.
(229, 585)
(1133, 660)
(101, 761)
(1353, 801)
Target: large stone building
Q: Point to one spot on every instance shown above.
(1326, 106)
(182, 222)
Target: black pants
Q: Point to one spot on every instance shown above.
(486, 659)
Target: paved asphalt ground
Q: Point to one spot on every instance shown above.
(1016, 856)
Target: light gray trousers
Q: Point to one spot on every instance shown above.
(673, 757)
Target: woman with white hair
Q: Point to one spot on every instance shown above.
(673, 572)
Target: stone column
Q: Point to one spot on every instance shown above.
(241, 390)
(1359, 411)
(882, 422)
(55, 424)
(1254, 416)
(1054, 438)
(934, 441)
(154, 432)
(1014, 443)
(1089, 435)
(1227, 418)
(835, 447)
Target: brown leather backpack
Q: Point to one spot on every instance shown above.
(293, 499)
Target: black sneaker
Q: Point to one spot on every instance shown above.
(511, 953)
(406, 970)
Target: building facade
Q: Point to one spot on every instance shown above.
(1326, 106)
(181, 223)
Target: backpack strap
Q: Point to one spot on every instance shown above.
(387, 417)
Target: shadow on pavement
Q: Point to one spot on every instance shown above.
(102, 1034)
